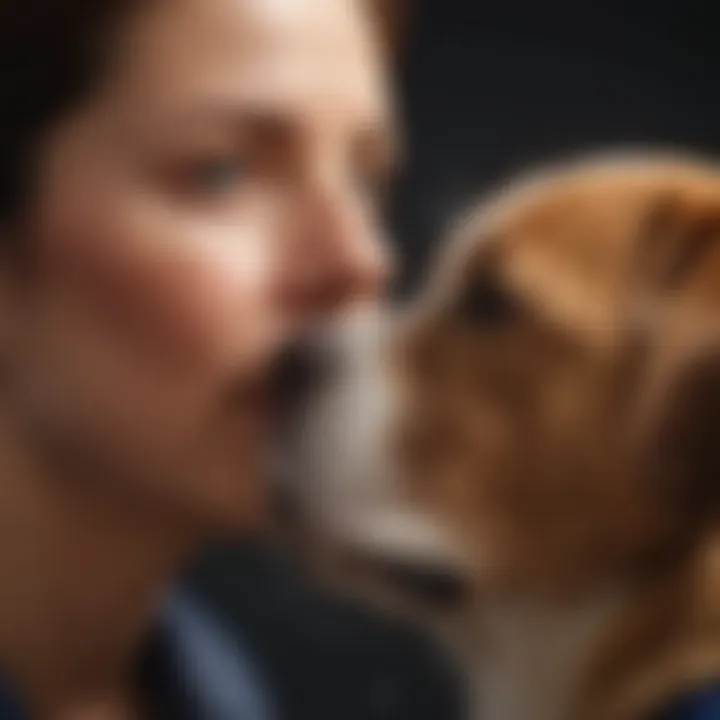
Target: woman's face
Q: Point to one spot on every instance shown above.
(213, 198)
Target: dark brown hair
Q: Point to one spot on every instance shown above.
(51, 54)
(392, 18)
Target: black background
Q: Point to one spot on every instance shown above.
(493, 87)
(486, 90)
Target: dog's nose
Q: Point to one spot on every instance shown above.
(305, 366)
(299, 369)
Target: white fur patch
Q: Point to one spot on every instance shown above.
(532, 661)
(341, 466)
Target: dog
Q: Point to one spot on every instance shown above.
(526, 456)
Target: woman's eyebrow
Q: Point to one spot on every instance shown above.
(265, 120)
(265, 117)
(275, 125)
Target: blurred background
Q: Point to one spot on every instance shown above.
(485, 89)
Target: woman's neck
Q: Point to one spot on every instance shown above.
(81, 579)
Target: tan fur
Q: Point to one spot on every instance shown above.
(571, 441)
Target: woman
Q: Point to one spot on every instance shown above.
(184, 188)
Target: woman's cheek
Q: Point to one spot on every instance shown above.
(221, 299)
(187, 293)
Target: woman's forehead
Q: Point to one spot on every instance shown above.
(295, 57)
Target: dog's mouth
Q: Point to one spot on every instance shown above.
(408, 557)
(437, 587)
(428, 586)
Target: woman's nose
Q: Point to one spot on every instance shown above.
(341, 258)
(358, 269)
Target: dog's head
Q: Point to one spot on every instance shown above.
(561, 374)
(555, 387)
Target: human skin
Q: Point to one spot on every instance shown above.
(212, 199)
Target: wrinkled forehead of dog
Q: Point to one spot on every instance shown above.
(594, 243)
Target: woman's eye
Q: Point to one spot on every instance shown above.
(217, 176)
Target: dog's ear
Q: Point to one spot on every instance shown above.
(684, 439)
(679, 259)
(676, 235)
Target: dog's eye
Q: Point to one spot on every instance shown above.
(485, 303)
